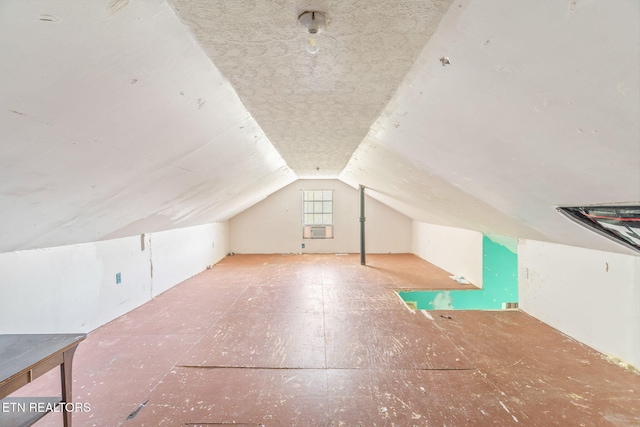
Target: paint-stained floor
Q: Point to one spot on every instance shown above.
(319, 340)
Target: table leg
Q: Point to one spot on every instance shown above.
(65, 375)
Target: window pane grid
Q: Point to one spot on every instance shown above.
(317, 207)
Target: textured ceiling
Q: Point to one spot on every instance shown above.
(315, 109)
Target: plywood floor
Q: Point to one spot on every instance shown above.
(318, 340)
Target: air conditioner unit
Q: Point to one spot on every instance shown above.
(317, 232)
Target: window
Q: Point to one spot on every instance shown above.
(317, 207)
(317, 214)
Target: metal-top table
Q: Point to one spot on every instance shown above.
(25, 357)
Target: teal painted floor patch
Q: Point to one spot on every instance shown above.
(499, 277)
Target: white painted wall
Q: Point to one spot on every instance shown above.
(592, 296)
(181, 253)
(73, 288)
(274, 225)
(455, 250)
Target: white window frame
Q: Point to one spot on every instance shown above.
(317, 214)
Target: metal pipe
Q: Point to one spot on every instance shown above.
(363, 257)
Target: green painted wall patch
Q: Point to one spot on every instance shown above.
(499, 276)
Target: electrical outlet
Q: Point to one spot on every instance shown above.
(118, 278)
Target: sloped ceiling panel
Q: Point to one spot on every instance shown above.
(315, 109)
(539, 107)
(412, 190)
(114, 122)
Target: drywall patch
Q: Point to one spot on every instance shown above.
(442, 301)
(499, 276)
(623, 88)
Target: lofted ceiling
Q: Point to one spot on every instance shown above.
(123, 117)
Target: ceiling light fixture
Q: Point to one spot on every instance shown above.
(315, 22)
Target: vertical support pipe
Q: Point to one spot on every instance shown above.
(363, 258)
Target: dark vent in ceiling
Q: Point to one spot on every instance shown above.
(619, 223)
